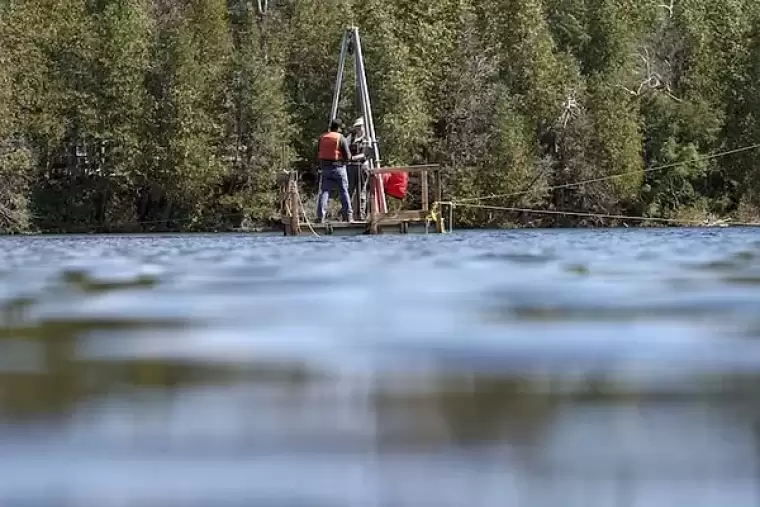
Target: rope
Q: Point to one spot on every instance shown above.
(676, 221)
(293, 189)
(612, 176)
(306, 218)
(433, 214)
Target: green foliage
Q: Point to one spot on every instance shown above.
(310, 68)
(188, 104)
(616, 140)
(678, 135)
(261, 127)
(15, 168)
(165, 114)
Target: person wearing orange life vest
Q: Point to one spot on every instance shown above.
(334, 153)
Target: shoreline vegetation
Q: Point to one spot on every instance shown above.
(177, 116)
(275, 227)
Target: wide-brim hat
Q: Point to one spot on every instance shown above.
(359, 122)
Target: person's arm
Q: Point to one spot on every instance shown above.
(367, 149)
(318, 165)
(346, 149)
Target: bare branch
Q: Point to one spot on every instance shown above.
(653, 81)
(571, 109)
(669, 8)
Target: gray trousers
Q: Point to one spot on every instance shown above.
(358, 179)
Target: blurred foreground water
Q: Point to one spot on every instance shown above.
(518, 368)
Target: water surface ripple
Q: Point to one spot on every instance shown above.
(528, 367)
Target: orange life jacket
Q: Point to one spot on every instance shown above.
(329, 147)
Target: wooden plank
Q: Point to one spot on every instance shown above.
(440, 226)
(425, 193)
(438, 187)
(407, 169)
(341, 225)
(417, 215)
(295, 205)
(373, 205)
(382, 226)
(386, 219)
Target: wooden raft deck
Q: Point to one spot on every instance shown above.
(427, 219)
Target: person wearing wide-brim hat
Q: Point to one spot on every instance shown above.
(358, 169)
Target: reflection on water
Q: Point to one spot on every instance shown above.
(539, 368)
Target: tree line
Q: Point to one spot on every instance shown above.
(179, 114)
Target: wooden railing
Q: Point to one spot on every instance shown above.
(423, 172)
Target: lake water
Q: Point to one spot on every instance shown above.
(606, 368)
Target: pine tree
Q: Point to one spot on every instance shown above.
(261, 126)
(189, 94)
(122, 61)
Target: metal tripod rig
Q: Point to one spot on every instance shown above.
(351, 43)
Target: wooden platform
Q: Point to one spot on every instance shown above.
(420, 221)
(384, 226)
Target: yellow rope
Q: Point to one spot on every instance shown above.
(600, 215)
(612, 176)
(433, 215)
